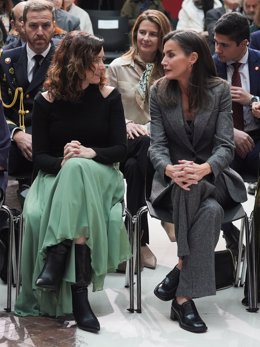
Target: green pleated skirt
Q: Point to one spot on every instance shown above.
(84, 199)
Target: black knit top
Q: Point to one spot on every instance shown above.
(95, 121)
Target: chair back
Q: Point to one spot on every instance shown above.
(113, 29)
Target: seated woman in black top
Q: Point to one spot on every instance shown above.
(73, 212)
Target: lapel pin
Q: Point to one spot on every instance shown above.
(8, 60)
(256, 68)
(11, 70)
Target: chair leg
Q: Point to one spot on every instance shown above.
(251, 265)
(10, 258)
(239, 258)
(135, 232)
(129, 279)
(18, 279)
(138, 233)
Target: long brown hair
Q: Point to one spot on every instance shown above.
(74, 55)
(164, 26)
(203, 72)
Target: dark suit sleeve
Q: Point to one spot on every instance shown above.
(255, 41)
(4, 139)
(7, 97)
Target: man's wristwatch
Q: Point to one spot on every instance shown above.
(254, 99)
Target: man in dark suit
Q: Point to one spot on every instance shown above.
(215, 13)
(231, 45)
(19, 77)
(16, 36)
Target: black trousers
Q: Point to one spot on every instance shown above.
(134, 170)
(17, 164)
(250, 164)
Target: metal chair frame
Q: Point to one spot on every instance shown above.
(230, 215)
(13, 268)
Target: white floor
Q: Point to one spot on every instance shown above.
(229, 324)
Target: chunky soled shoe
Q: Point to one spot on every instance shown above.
(166, 290)
(53, 270)
(83, 314)
(188, 317)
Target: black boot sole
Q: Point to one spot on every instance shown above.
(89, 329)
(175, 317)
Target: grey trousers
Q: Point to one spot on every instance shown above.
(198, 216)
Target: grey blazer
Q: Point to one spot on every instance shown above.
(66, 21)
(212, 141)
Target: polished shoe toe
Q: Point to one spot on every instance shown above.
(166, 290)
(188, 317)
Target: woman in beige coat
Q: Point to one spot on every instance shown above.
(132, 74)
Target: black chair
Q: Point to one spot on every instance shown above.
(113, 29)
(235, 213)
(13, 265)
(103, 13)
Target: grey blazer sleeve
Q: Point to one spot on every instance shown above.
(223, 142)
(158, 151)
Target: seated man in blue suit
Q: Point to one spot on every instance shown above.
(214, 14)
(19, 69)
(232, 36)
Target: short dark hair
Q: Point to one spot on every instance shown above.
(234, 25)
(37, 6)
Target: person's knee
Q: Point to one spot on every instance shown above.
(130, 167)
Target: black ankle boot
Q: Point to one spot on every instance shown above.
(188, 316)
(82, 311)
(53, 270)
(166, 290)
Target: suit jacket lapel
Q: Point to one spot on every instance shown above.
(176, 121)
(202, 118)
(40, 75)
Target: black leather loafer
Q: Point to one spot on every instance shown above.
(166, 290)
(188, 317)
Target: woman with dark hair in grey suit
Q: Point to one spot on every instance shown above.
(191, 149)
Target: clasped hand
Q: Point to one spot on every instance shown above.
(240, 95)
(74, 149)
(24, 143)
(135, 130)
(186, 173)
(243, 142)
